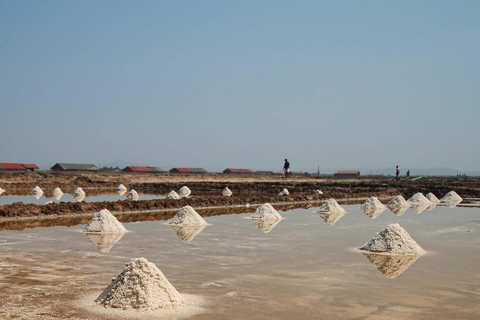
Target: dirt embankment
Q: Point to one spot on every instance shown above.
(206, 190)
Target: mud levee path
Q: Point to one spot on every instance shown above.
(206, 190)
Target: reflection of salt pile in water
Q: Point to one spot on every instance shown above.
(331, 212)
(391, 265)
(104, 241)
(187, 233)
(284, 192)
(452, 197)
(141, 285)
(104, 222)
(187, 216)
(398, 205)
(57, 193)
(132, 195)
(395, 240)
(184, 192)
(79, 194)
(418, 202)
(226, 192)
(2, 190)
(372, 207)
(433, 199)
(37, 192)
(173, 195)
(121, 189)
(266, 217)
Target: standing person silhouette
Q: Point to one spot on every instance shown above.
(397, 173)
(286, 168)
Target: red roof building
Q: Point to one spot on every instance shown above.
(30, 166)
(11, 166)
(238, 171)
(143, 169)
(188, 170)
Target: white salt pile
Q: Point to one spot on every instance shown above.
(418, 198)
(391, 266)
(433, 199)
(187, 233)
(318, 192)
(2, 190)
(331, 206)
(284, 192)
(37, 190)
(121, 189)
(226, 192)
(104, 242)
(266, 211)
(187, 216)
(184, 192)
(132, 195)
(104, 222)
(173, 195)
(452, 197)
(79, 194)
(141, 285)
(57, 193)
(372, 207)
(398, 205)
(393, 239)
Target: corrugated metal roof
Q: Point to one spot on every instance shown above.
(75, 166)
(30, 165)
(137, 169)
(11, 166)
(189, 170)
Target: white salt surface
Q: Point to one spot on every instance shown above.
(331, 206)
(141, 285)
(184, 192)
(132, 195)
(284, 192)
(372, 207)
(187, 216)
(452, 197)
(266, 211)
(395, 240)
(419, 198)
(2, 190)
(226, 192)
(398, 205)
(433, 199)
(104, 222)
(173, 195)
(57, 193)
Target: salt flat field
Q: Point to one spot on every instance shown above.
(303, 267)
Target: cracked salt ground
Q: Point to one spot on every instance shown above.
(231, 270)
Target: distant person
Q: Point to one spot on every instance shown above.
(408, 174)
(397, 173)
(286, 168)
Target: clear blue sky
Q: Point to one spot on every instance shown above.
(216, 84)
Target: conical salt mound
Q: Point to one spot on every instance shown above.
(2, 190)
(331, 206)
(79, 194)
(331, 218)
(452, 197)
(187, 233)
(398, 205)
(284, 192)
(37, 190)
(104, 241)
(141, 285)
(391, 266)
(418, 198)
(433, 199)
(318, 192)
(226, 192)
(266, 211)
(104, 222)
(57, 193)
(187, 216)
(372, 207)
(266, 224)
(184, 192)
(121, 187)
(393, 239)
(173, 195)
(132, 195)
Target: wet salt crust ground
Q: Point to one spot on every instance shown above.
(9, 199)
(302, 269)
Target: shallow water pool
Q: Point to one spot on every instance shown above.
(303, 268)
